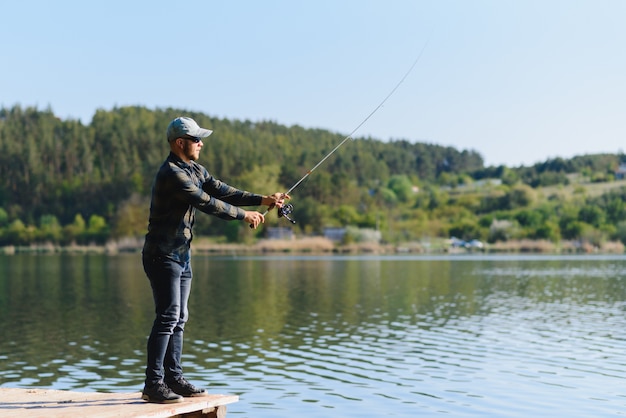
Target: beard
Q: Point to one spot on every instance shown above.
(191, 151)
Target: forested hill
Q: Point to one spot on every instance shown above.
(59, 167)
(62, 181)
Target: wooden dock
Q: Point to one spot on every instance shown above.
(35, 403)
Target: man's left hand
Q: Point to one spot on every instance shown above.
(275, 200)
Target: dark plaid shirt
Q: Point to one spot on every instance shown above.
(179, 189)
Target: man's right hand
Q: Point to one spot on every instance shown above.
(254, 218)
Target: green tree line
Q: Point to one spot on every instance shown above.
(63, 181)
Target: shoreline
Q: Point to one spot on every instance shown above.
(319, 245)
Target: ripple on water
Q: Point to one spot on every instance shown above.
(485, 361)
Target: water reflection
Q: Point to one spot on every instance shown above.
(340, 336)
(67, 320)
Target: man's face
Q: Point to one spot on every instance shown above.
(191, 148)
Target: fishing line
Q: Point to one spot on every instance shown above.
(287, 209)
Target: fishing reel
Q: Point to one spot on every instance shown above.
(284, 212)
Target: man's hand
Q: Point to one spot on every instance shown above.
(254, 218)
(275, 200)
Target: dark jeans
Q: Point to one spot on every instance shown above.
(171, 284)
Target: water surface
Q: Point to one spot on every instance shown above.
(336, 336)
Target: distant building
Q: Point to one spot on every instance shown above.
(355, 234)
(487, 182)
(472, 244)
(620, 173)
(334, 234)
(279, 233)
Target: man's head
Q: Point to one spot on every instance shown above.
(185, 138)
(185, 127)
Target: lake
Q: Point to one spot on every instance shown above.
(339, 336)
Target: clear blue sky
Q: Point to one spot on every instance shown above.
(518, 81)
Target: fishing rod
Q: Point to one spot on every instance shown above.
(287, 209)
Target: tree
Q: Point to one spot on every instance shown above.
(502, 230)
(467, 229)
(573, 229)
(50, 229)
(74, 231)
(519, 196)
(548, 230)
(528, 218)
(131, 217)
(18, 233)
(401, 186)
(97, 229)
(4, 217)
(592, 215)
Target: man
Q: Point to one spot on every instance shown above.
(181, 186)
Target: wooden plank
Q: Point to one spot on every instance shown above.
(48, 403)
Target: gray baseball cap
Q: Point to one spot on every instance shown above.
(184, 126)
